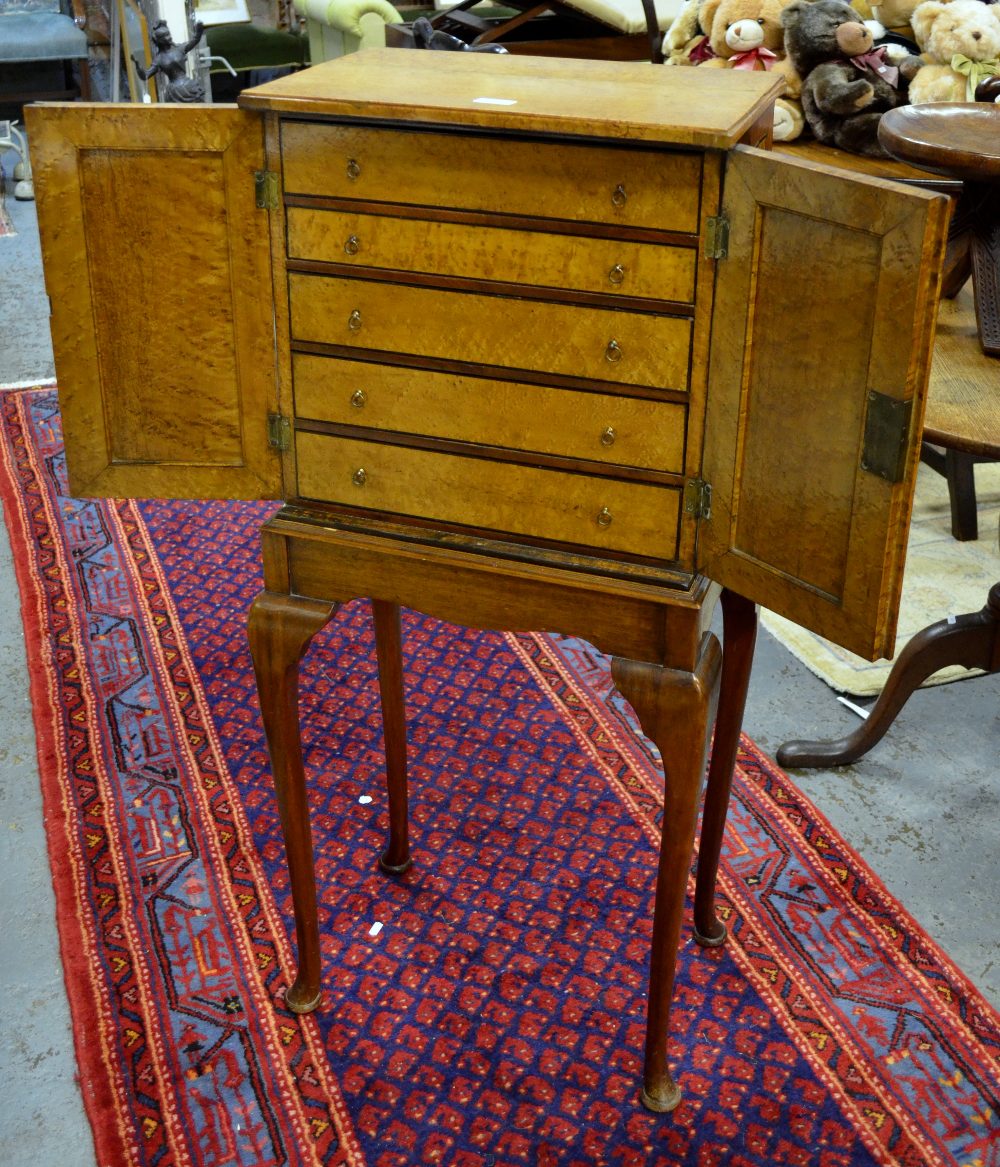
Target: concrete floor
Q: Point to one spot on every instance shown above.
(921, 808)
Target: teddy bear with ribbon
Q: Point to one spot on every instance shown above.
(847, 82)
(960, 41)
(748, 34)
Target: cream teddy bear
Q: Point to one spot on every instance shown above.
(960, 41)
(747, 34)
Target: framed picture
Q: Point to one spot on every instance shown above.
(211, 12)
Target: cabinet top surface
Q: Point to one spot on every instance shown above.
(627, 100)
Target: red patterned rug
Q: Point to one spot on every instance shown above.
(496, 1017)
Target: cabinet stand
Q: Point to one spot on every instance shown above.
(665, 662)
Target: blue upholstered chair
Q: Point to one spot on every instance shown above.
(41, 33)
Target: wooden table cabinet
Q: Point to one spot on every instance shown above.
(522, 343)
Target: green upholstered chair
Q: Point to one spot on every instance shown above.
(250, 47)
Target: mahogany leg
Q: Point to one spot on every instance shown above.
(388, 643)
(280, 628)
(739, 636)
(959, 472)
(676, 710)
(972, 640)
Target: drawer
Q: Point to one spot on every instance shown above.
(606, 266)
(551, 505)
(598, 184)
(627, 431)
(629, 348)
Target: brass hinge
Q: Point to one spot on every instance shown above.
(717, 237)
(698, 498)
(887, 426)
(265, 184)
(279, 432)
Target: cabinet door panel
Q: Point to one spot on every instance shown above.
(824, 315)
(158, 270)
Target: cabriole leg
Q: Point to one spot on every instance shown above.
(280, 628)
(388, 642)
(675, 710)
(739, 636)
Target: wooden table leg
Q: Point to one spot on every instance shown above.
(739, 636)
(676, 710)
(280, 628)
(972, 640)
(395, 859)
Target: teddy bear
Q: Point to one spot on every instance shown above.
(847, 84)
(747, 34)
(685, 42)
(960, 42)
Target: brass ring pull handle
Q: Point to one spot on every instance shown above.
(359, 398)
(359, 477)
(354, 320)
(619, 195)
(608, 436)
(612, 353)
(353, 169)
(604, 517)
(353, 245)
(617, 275)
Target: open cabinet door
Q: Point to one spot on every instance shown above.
(821, 339)
(157, 266)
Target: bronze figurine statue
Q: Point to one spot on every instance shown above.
(169, 60)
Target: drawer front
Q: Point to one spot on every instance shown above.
(595, 184)
(605, 266)
(595, 343)
(601, 513)
(625, 431)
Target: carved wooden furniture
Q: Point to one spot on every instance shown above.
(524, 343)
(963, 415)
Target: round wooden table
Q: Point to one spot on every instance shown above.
(961, 141)
(956, 141)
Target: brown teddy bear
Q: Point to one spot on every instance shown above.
(846, 84)
(961, 43)
(747, 34)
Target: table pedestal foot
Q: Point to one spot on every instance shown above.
(972, 640)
